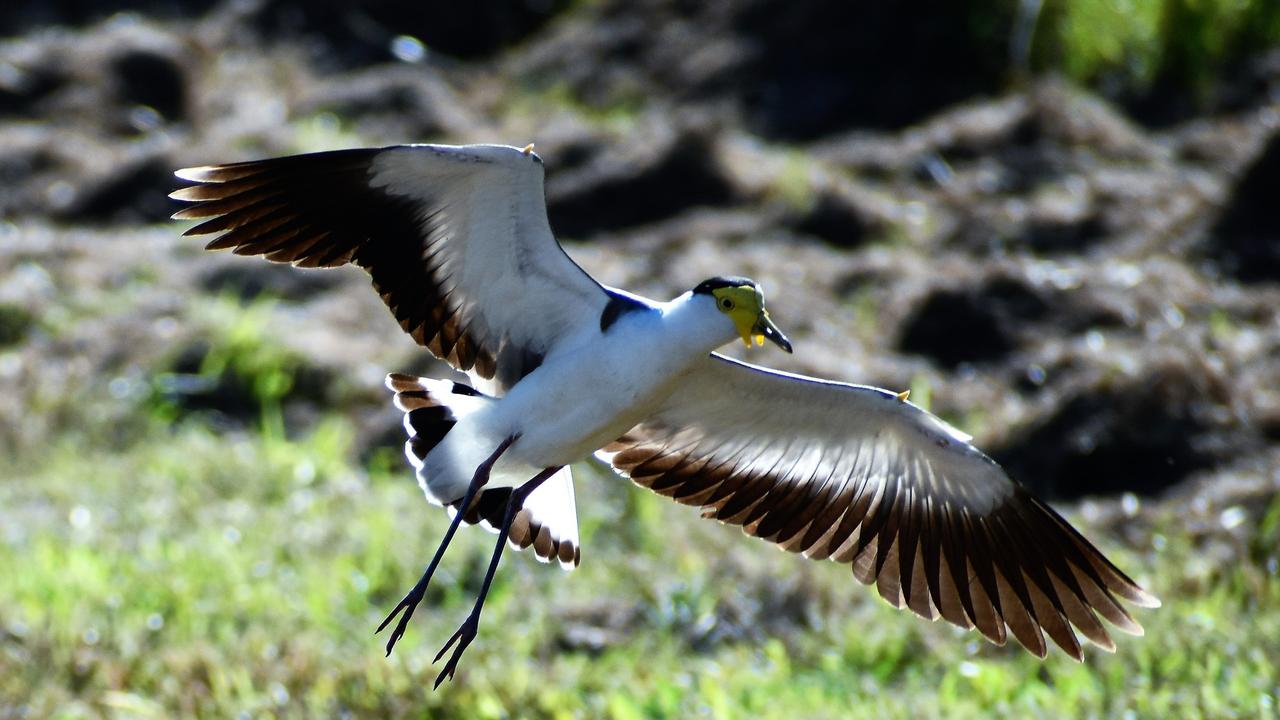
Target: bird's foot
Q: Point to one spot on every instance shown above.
(414, 596)
(408, 604)
(464, 635)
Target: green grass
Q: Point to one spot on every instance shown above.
(15, 323)
(157, 562)
(200, 573)
(1192, 43)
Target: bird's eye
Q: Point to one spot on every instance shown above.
(726, 304)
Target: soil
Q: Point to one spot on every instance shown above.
(1093, 298)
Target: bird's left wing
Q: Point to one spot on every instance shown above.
(455, 238)
(859, 475)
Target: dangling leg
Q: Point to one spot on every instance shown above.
(411, 600)
(467, 631)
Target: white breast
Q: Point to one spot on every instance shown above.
(590, 392)
(587, 392)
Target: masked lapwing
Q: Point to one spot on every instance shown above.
(458, 245)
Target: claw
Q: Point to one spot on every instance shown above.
(414, 597)
(408, 605)
(463, 636)
(470, 627)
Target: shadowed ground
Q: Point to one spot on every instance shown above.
(203, 506)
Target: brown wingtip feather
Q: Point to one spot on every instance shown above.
(191, 193)
(1017, 569)
(1142, 598)
(320, 210)
(228, 172)
(199, 173)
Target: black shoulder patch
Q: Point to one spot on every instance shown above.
(618, 306)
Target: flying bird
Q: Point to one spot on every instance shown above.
(458, 246)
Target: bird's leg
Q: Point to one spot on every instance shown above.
(467, 631)
(411, 600)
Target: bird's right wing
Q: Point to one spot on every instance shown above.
(455, 238)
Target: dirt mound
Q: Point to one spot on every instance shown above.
(1094, 299)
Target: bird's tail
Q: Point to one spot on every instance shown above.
(431, 409)
(547, 521)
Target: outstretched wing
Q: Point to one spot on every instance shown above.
(455, 238)
(859, 475)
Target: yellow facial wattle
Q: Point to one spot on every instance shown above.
(744, 306)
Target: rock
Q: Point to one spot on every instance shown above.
(20, 18)
(836, 219)
(151, 78)
(21, 165)
(793, 71)
(1108, 439)
(127, 76)
(23, 88)
(1058, 235)
(656, 174)
(399, 102)
(1245, 241)
(248, 280)
(136, 192)
(350, 35)
(825, 66)
(973, 325)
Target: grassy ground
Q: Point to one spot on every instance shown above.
(159, 560)
(160, 564)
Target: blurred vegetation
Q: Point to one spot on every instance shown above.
(1192, 44)
(197, 571)
(237, 366)
(173, 552)
(15, 323)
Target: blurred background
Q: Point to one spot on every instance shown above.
(1055, 222)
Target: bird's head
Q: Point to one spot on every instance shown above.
(742, 301)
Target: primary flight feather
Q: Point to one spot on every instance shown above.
(458, 246)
